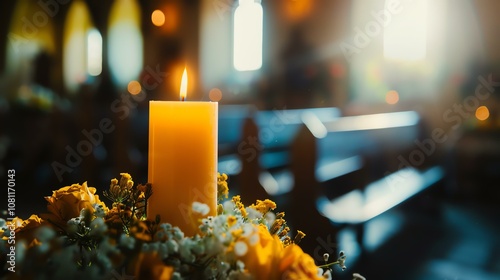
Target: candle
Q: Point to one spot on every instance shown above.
(182, 159)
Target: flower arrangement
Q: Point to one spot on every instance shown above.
(81, 238)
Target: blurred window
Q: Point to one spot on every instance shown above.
(405, 34)
(77, 26)
(31, 33)
(94, 52)
(248, 24)
(125, 48)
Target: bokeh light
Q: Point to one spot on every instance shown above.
(158, 18)
(215, 94)
(482, 113)
(392, 97)
(134, 87)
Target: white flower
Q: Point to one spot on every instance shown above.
(228, 207)
(341, 260)
(98, 227)
(172, 246)
(165, 227)
(240, 248)
(252, 213)
(99, 210)
(198, 248)
(106, 247)
(185, 251)
(327, 275)
(154, 247)
(178, 234)
(253, 239)
(44, 234)
(220, 221)
(240, 265)
(176, 276)
(270, 217)
(160, 235)
(200, 208)
(73, 225)
(163, 251)
(21, 248)
(212, 245)
(248, 229)
(223, 267)
(127, 241)
(357, 276)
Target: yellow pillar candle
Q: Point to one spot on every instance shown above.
(182, 160)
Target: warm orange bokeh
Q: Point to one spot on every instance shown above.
(392, 97)
(215, 95)
(158, 18)
(482, 113)
(134, 87)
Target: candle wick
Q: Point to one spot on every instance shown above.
(183, 98)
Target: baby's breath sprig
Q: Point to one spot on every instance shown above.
(340, 261)
(79, 232)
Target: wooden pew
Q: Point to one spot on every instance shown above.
(351, 160)
(365, 146)
(230, 134)
(231, 119)
(264, 150)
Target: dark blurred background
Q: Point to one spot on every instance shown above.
(375, 124)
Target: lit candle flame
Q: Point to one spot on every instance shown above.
(184, 82)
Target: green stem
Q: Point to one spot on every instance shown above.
(329, 264)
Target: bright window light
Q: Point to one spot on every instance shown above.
(248, 24)
(405, 36)
(125, 47)
(94, 52)
(76, 26)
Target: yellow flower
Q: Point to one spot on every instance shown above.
(262, 258)
(237, 232)
(263, 206)
(295, 264)
(231, 220)
(67, 202)
(126, 181)
(269, 259)
(220, 209)
(222, 188)
(240, 206)
(298, 237)
(25, 229)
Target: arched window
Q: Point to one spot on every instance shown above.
(78, 42)
(248, 24)
(125, 45)
(31, 33)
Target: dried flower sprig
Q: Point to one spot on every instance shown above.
(129, 201)
(222, 187)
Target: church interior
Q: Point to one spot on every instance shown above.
(374, 125)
